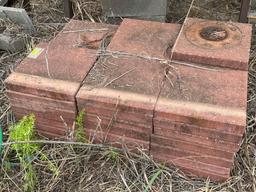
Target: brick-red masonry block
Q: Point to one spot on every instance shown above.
(148, 38)
(191, 160)
(42, 87)
(123, 90)
(120, 92)
(203, 112)
(66, 57)
(47, 85)
(232, 52)
(214, 100)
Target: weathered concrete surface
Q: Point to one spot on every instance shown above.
(147, 38)
(147, 9)
(126, 103)
(3, 2)
(231, 49)
(18, 16)
(46, 82)
(11, 44)
(70, 55)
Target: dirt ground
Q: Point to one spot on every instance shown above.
(93, 168)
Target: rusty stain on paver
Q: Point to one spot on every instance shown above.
(228, 44)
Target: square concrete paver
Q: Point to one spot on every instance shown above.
(47, 81)
(119, 95)
(69, 55)
(215, 43)
(216, 96)
(144, 38)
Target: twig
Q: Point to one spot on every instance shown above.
(46, 59)
(86, 30)
(54, 142)
(168, 62)
(119, 77)
(113, 118)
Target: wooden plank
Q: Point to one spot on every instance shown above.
(68, 11)
(245, 7)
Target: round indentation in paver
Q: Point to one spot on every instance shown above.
(213, 34)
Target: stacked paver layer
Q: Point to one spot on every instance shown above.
(200, 116)
(178, 92)
(47, 81)
(121, 90)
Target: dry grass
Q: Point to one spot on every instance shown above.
(93, 168)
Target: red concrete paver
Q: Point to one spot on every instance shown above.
(193, 117)
(128, 74)
(122, 113)
(140, 127)
(124, 90)
(202, 170)
(135, 92)
(117, 128)
(42, 104)
(66, 57)
(193, 147)
(205, 98)
(200, 162)
(41, 86)
(168, 154)
(56, 115)
(118, 141)
(47, 81)
(208, 135)
(144, 37)
(50, 128)
(203, 112)
(232, 49)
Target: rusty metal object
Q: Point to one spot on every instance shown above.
(214, 35)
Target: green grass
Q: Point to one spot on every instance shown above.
(80, 134)
(113, 155)
(24, 130)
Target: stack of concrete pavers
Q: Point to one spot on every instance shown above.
(47, 81)
(200, 116)
(179, 92)
(120, 92)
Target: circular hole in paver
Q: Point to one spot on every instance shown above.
(214, 33)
